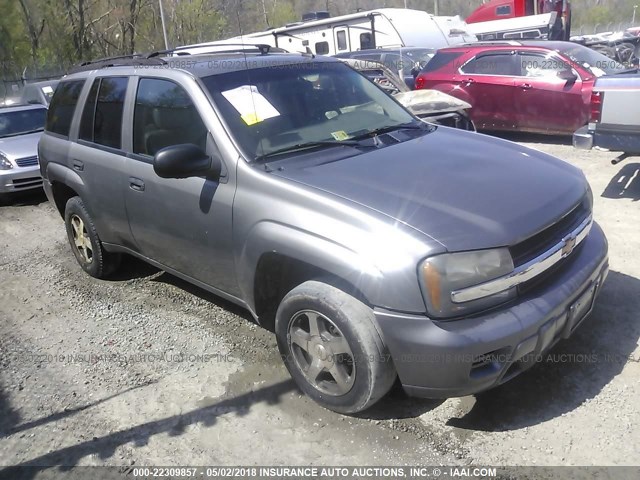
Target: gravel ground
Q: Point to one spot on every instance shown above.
(148, 370)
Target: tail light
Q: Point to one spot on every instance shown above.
(596, 107)
(420, 82)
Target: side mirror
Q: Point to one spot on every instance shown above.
(184, 161)
(568, 76)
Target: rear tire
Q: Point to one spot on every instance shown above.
(330, 345)
(85, 243)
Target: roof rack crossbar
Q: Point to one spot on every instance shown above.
(154, 58)
(263, 48)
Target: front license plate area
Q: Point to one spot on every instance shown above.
(579, 310)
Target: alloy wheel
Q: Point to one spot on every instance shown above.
(81, 239)
(321, 352)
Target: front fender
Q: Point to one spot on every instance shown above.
(396, 289)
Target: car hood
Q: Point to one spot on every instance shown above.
(422, 102)
(466, 190)
(20, 146)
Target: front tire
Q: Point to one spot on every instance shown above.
(332, 349)
(85, 243)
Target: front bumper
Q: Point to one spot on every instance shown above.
(441, 359)
(20, 178)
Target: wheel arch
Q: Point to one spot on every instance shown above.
(65, 184)
(277, 274)
(276, 258)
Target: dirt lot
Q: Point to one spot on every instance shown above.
(147, 370)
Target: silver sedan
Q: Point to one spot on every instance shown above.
(20, 130)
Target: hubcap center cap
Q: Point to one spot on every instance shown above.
(321, 352)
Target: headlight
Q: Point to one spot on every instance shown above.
(5, 164)
(443, 274)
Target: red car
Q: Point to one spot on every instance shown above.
(534, 86)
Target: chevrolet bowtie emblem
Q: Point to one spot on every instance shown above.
(569, 245)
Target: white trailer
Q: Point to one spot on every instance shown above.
(384, 27)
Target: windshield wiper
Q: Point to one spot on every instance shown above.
(304, 146)
(392, 128)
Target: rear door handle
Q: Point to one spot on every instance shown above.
(469, 81)
(136, 184)
(78, 165)
(526, 86)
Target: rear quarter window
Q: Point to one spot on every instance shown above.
(63, 106)
(440, 60)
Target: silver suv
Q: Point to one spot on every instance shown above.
(375, 245)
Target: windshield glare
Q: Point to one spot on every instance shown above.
(25, 121)
(272, 108)
(595, 62)
(421, 56)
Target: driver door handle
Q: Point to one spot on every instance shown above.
(136, 184)
(469, 81)
(526, 86)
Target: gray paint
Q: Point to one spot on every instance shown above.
(369, 219)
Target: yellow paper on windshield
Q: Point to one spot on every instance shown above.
(340, 135)
(252, 106)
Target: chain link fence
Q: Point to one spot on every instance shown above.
(13, 79)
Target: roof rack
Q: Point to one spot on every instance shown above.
(154, 58)
(263, 48)
(120, 60)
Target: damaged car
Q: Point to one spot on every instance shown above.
(431, 106)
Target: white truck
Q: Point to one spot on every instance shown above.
(615, 118)
(384, 27)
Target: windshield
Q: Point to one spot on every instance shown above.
(595, 62)
(419, 55)
(21, 122)
(273, 108)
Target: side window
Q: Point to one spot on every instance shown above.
(165, 115)
(63, 106)
(496, 64)
(441, 59)
(341, 36)
(532, 65)
(366, 41)
(30, 95)
(393, 61)
(88, 113)
(322, 48)
(107, 121)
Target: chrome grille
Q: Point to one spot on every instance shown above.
(27, 161)
(533, 246)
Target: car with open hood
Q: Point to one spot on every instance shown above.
(429, 105)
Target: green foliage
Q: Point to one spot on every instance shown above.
(47, 35)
